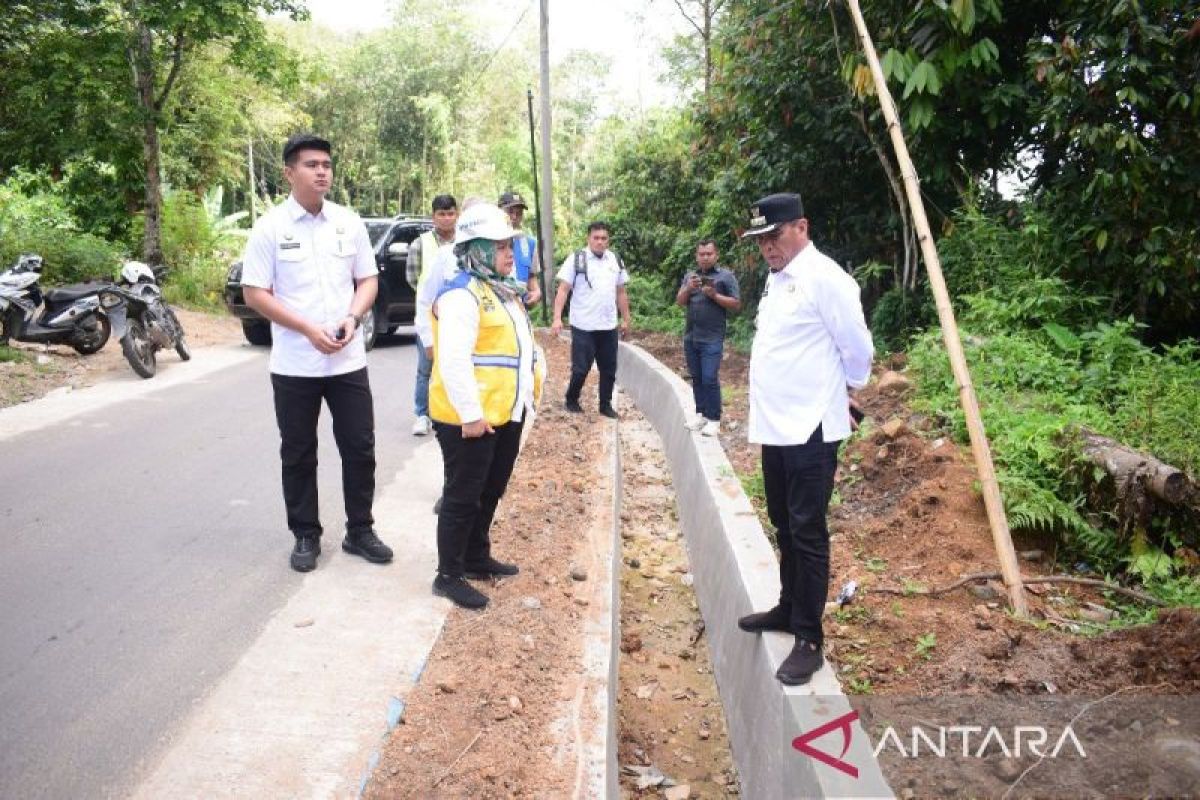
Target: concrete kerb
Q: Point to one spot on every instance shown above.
(736, 573)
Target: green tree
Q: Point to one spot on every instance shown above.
(105, 71)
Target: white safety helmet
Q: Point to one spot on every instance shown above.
(134, 272)
(483, 221)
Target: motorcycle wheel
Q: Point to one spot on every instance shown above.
(88, 342)
(139, 350)
(181, 347)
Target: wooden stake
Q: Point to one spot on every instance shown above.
(958, 362)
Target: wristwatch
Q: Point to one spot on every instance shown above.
(358, 319)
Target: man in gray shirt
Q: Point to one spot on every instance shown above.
(709, 294)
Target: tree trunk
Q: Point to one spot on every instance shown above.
(143, 76)
(1131, 470)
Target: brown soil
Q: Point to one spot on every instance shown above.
(47, 368)
(910, 517)
(670, 715)
(462, 732)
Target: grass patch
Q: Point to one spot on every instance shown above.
(11, 355)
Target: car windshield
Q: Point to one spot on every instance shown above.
(377, 228)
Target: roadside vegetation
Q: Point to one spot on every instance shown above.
(1058, 147)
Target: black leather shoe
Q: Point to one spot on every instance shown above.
(777, 619)
(305, 552)
(610, 412)
(437, 507)
(458, 591)
(367, 545)
(801, 663)
(490, 568)
(573, 406)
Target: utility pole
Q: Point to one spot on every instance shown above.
(546, 217)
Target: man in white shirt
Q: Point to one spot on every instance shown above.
(811, 343)
(595, 279)
(310, 269)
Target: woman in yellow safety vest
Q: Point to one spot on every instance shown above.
(487, 377)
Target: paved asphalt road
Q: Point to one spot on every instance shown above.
(142, 550)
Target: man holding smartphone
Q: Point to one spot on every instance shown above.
(709, 294)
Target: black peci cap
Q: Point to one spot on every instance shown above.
(305, 141)
(772, 211)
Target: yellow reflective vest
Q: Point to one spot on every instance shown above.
(497, 358)
(430, 244)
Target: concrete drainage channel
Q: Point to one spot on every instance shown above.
(735, 573)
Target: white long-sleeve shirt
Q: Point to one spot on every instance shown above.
(443, 268)
(458, 330)
(811, 343)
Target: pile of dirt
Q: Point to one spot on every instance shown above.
(45, 368)
(907, 517)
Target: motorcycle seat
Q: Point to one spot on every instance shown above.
(69, 294)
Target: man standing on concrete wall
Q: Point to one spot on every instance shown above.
(421, 257)
(811, 343)
(708, 294)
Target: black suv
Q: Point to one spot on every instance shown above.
(396, 303)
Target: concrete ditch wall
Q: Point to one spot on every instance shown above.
(736, 572)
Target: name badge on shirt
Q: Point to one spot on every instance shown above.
(289, 245)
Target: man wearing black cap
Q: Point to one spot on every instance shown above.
(524, 247)
(811, 343)
(310, 269)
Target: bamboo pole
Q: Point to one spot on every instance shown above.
(982, 451)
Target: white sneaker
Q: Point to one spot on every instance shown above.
(422, 426)
(696, 422)
(711, 428)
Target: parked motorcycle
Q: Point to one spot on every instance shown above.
(69, 315)
(141, 320)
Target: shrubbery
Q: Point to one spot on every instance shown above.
(1035, 376)
(35, 218)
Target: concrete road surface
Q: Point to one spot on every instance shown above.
(143, 554)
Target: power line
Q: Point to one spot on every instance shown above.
(503, 42)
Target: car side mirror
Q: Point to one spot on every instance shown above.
(397, 250)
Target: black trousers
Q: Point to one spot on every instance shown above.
(297, 407)
(798, 480)
(477, 472)
(593, 346)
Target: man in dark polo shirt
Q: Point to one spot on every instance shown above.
(709, 294)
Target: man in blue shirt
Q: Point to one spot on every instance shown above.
(524, 247)
(709, 294)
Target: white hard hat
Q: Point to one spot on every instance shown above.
(482, 221)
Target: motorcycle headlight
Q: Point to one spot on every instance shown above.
(110, 300)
